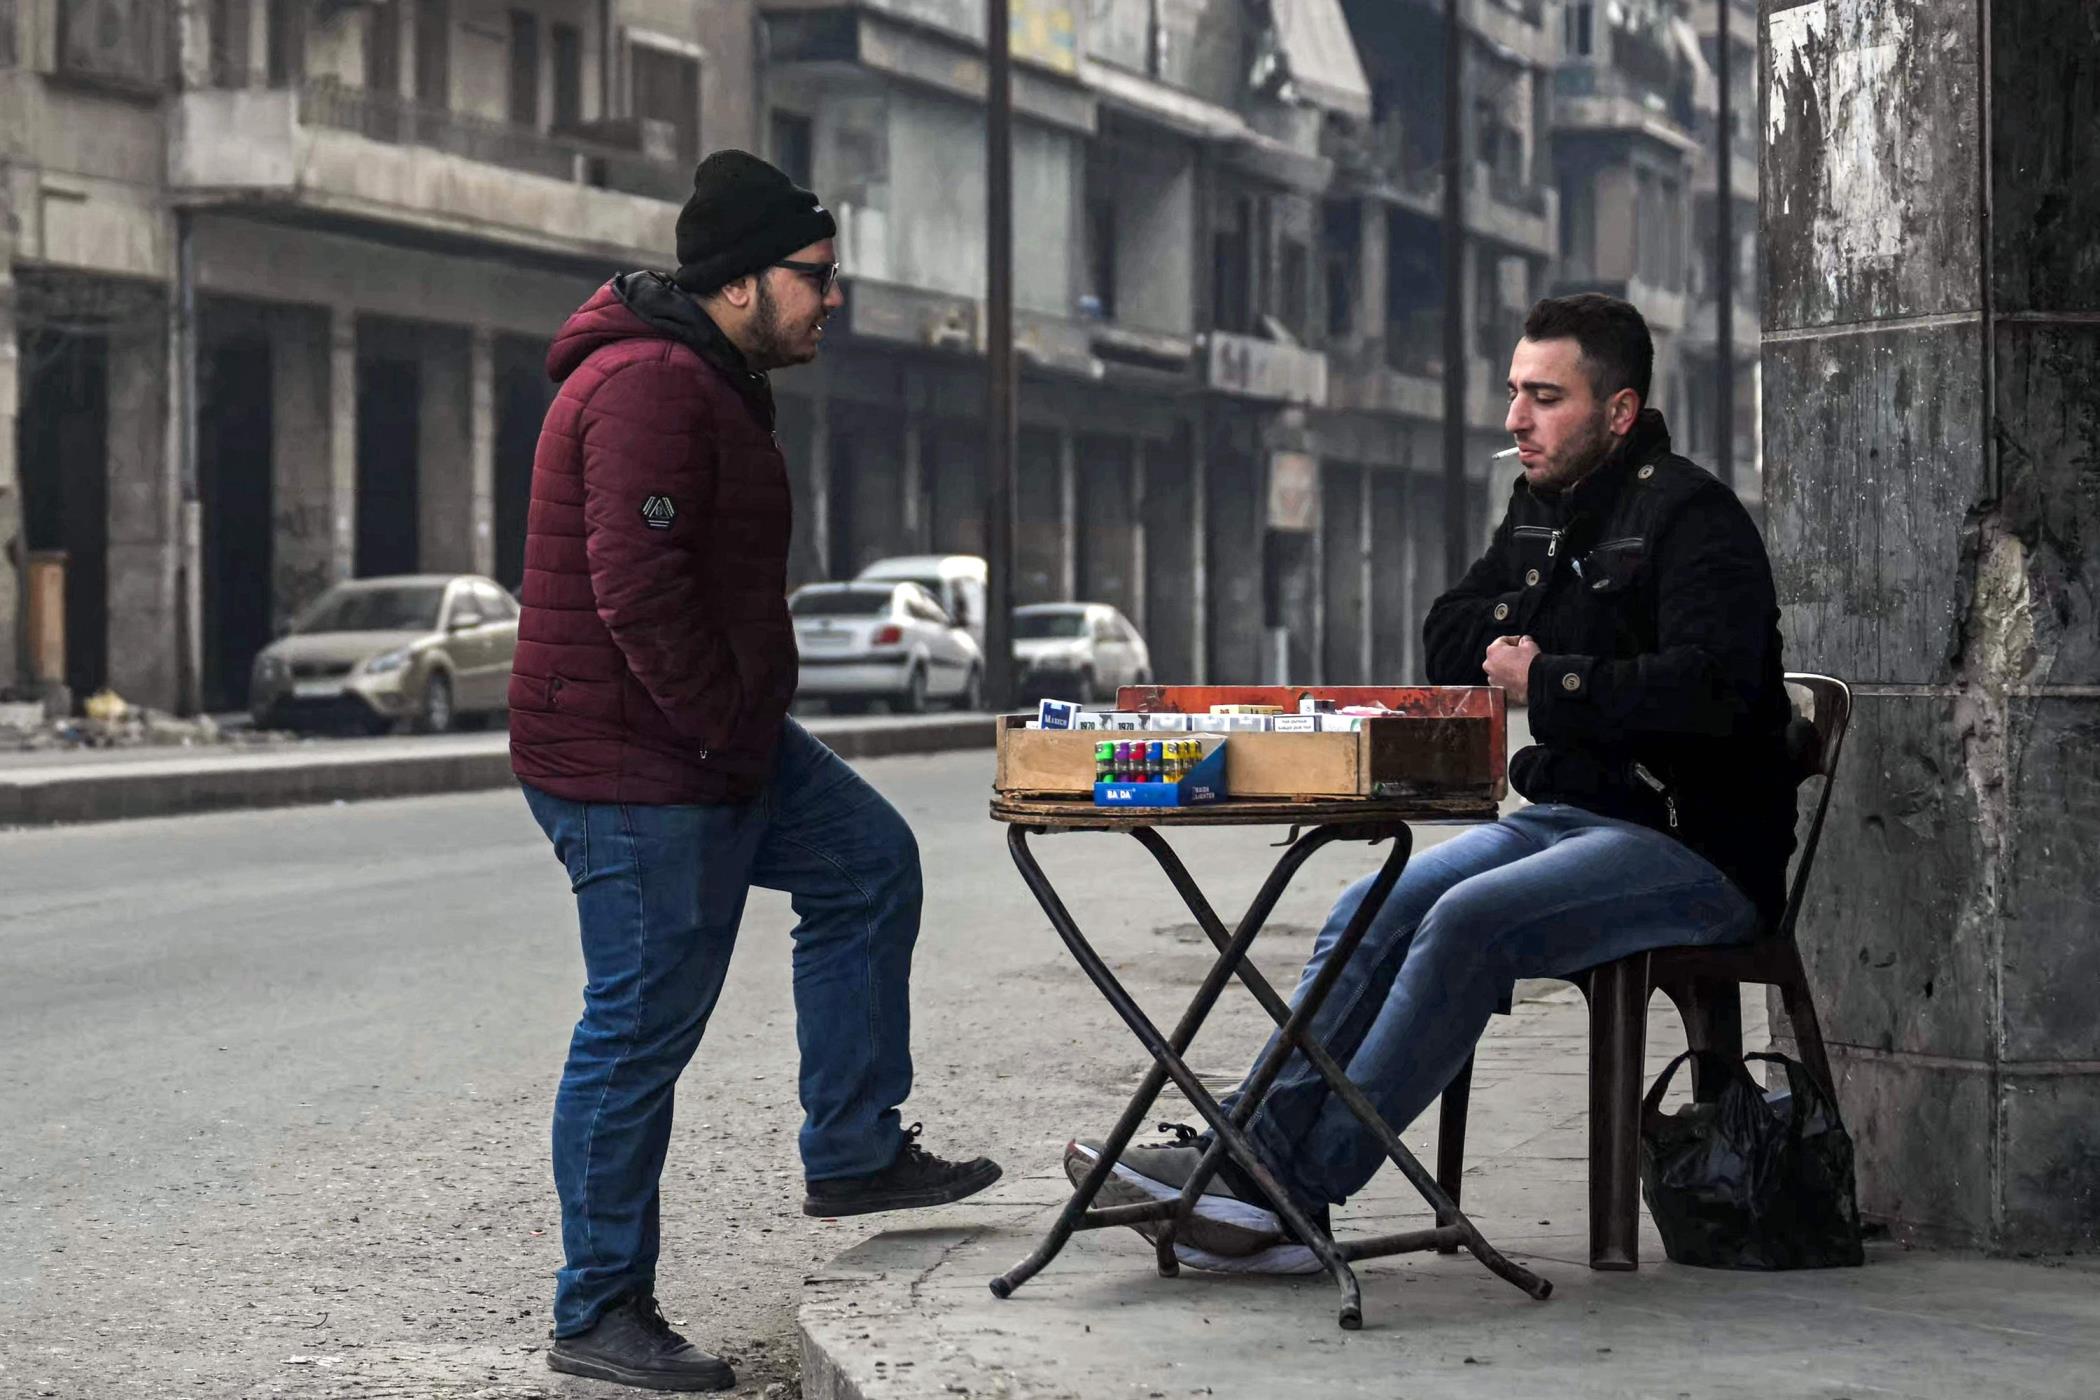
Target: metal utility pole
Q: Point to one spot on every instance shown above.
(1724, 259)
(999, 356)
(1458, 550)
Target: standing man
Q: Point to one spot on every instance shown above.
(649, 728)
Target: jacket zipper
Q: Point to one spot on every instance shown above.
(1640, 770)
(1552, 537)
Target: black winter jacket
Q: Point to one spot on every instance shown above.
(1657, 696)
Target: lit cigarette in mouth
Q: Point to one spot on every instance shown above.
(1504, 453)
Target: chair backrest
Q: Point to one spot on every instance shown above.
(1825, 703)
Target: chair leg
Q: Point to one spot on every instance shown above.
(1618, 995)
(1808, 1031)
(1713, 1020)
(1451, 1137)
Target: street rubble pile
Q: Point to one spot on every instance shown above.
(108, 721)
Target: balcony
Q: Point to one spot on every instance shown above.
(1596, 98)
(1410, 384)
(341, 153)
(1248, 367)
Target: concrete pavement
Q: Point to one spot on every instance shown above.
(47, 787)
(908, 1314)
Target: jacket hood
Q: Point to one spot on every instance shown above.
(649, 306)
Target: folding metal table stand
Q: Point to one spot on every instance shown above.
(1324, 823)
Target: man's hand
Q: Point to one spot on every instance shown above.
(1508, 664)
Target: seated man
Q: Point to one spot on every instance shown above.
(1627, 599)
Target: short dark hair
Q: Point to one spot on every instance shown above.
(1616, 348)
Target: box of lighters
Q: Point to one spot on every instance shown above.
(1159, 772)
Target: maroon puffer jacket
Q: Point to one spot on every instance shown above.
(656, 658)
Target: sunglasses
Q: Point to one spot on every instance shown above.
(825, 275)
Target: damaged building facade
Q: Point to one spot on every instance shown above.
(360, 219)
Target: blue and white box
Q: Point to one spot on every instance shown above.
(1201, 785)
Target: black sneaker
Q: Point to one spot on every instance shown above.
(632, 1344)
(1225, 1221)
(915, 1180)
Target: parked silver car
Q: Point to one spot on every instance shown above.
(421, 651)
(1077, 651)
(889, 641)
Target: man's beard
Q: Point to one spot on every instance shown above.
(770, 346)
(1582, 456)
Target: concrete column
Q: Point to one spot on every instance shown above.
(1371, 329)
(13, 635)
(820, 478)
(1067, 513)
(912, 484)
(1139, 603)
(143, 533)
(445, 466)
(481, 435)
(1367, 626)
(303, 555)
(341, 443)
(1199, 544)
(1932, 337)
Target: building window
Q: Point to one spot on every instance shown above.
(286, 40)
(229, 43)
(121, 43)
(666, 87)
(1231, 271)
(1294, 290)
(794, 147)
(1341, 243)
(383, 50)
(434, 53)
(9, 47)
(567, 41)
(524, 68)
(1578, 35)
(1101, 255)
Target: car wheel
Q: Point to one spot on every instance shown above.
(972, 697)
(912, 701)
(1087, 693)
(435, 714)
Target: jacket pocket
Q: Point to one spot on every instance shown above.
(1615, 566)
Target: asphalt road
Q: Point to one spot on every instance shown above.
(274, 1087)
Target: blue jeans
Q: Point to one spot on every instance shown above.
(1546, 891)
(659, 893)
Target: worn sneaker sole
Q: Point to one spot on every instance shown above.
(1286, 1258)
(569, 1363)
(956, 1190)
(1219, 1227)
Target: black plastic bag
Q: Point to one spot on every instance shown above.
(1748, 1182)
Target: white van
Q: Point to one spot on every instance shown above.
(957, 582)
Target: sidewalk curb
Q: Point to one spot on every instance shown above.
(53, 797)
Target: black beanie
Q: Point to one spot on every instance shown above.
(745, 215)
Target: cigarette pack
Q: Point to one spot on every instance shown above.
(1169, 722)
(1057, 714)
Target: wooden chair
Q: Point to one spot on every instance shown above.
(1704, 983)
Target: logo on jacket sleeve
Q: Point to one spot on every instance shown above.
(658, 512)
